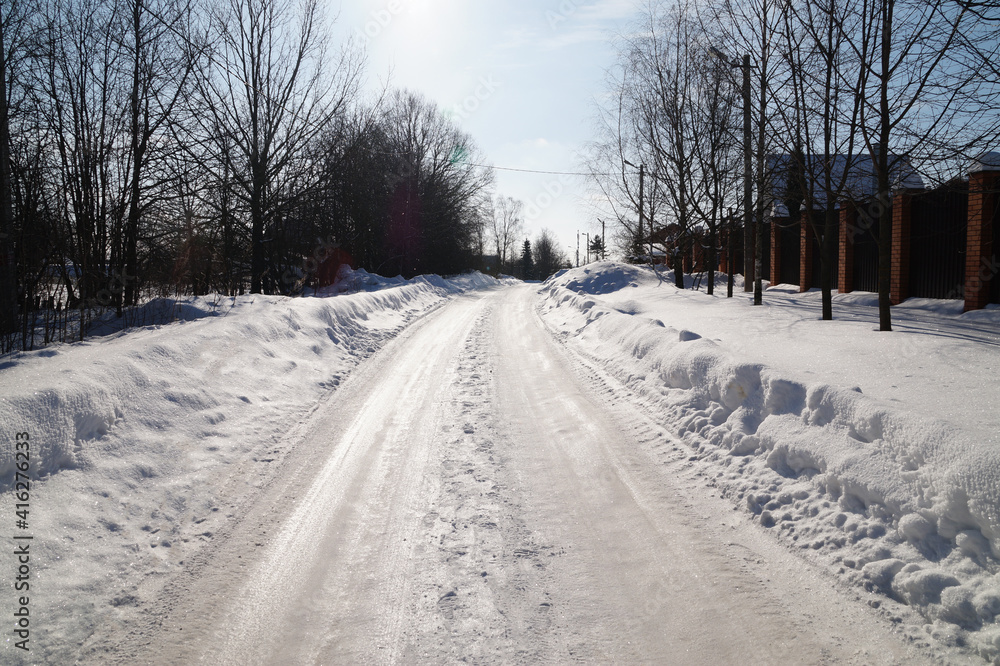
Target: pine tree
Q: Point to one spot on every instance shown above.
(597, 248)
(527, 266)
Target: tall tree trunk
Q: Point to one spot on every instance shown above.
(828, 256)
(257, 230)
(885, 212)
(128, 269)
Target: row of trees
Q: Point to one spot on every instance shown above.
(841, 100)
(213, 145)
(539, 260)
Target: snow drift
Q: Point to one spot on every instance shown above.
(200, 368)
(902, 503)
(141, 439)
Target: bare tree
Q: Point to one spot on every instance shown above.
(434, 213)
(819, 126)
(923, 99)
(506, 226)
(8, 272)
(610, 157)
(160, 55)
(79, 76)
(674, 114)
(664, 116)
(548, 257)
(752, 27)
(268, 95)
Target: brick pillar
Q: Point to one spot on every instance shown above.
(845, 269)
(805, 252)
(980, 260)
(902, 211)
(776, 223)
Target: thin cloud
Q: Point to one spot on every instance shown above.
(576, 24)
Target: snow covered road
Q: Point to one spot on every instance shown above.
(486, 495)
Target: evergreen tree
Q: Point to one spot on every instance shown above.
(597, 247)
(527, 266)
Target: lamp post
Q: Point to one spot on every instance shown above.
(752, 236)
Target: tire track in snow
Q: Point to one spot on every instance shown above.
(481, 577)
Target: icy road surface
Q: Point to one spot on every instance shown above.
(486, 496)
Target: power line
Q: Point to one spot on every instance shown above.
(552, 173)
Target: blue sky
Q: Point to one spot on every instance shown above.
(520, 76)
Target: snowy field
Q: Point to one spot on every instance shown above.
(162, 455)
(877, 454)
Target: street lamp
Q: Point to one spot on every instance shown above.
(752, 233)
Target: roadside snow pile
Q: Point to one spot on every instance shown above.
(900, 503)
(140, 441)
(67, 396)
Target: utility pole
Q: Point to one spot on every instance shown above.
(642, 199)
(752, 246)
(758, 288)
(604, 242)
(749, 263)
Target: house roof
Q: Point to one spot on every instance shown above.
(861, 181)
(986, 162)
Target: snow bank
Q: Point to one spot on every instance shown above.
(141, 440)
(70, 396)
(902, 503)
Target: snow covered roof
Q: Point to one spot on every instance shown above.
(861, 180)
(986, 162)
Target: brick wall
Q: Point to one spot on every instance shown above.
(806, 258)
(980, 261)
(776, 223)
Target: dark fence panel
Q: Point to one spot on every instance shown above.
(995, 281)
(765, 259)
(937, 242)
(790, 251)
(819, 224)
(866, 254)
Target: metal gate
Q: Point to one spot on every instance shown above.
(819, 224)
(937, 243)
(995, 281)
(866, 254)
(790, 251)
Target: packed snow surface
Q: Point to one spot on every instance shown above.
(877, 452)
(873, 455)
